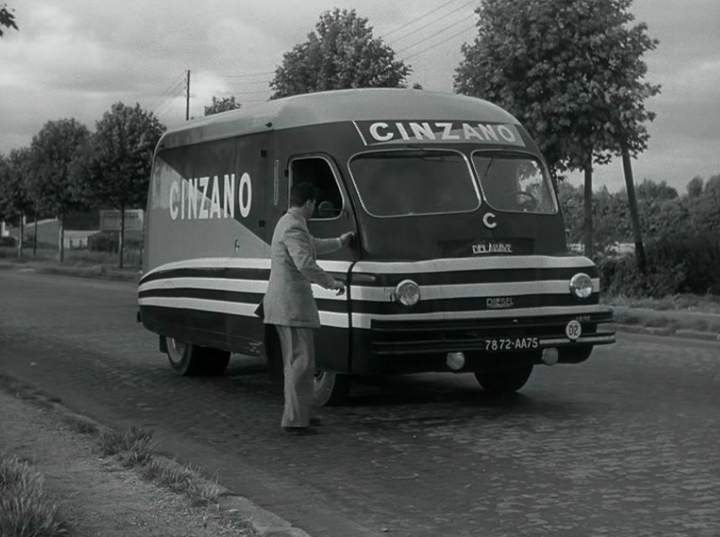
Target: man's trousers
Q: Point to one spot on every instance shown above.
(298, 351)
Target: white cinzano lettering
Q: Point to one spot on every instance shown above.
(215, 210)
(422, 130)
(229, 196)
(488, 132)
(447, 131)
(245, 195)
(203, 198)
(506, 133)
(192, 199)
(375, 133)
(173, 200)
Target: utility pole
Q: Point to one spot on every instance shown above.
(632, 201)
(187, 97)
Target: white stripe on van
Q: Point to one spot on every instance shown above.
(241, 262)
(220, 284)
(474, 263)
(327, 318)
(228, 284)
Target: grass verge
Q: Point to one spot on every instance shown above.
(25, 508)
(680, 302)
(134, 449)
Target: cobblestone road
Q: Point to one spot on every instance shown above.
(623, 445)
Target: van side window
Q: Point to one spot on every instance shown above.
(317, 170)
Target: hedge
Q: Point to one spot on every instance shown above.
(681, 263)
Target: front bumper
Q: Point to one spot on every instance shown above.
(398, 338)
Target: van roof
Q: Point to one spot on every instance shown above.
(334, 106)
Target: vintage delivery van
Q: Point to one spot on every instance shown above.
(459, 264)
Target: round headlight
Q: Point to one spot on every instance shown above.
(581, 285)
(407, 293)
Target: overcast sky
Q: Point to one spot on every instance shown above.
(74, 58)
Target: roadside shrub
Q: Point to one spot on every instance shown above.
(681, 263)
(104, 241)
(25, 509)
(108, 241)
(133, 447)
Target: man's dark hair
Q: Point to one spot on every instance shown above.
(301, 192)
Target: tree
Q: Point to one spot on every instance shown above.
(705, 208)
(221, 105)
(15, 200)
(570, 71)
(7, 19)
(51, 182)
(113, 167)
(341, 53)
(695, 187)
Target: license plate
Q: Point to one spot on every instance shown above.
(505, 344)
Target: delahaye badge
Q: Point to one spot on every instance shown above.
(491, 247)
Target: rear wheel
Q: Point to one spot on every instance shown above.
(191, 360)
(505, 380)
(331, 388)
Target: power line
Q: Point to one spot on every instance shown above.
(413, 21)
(168, 90)
(417, 53)
(179, 92)
(248, 75)
(426, 39)
(259, 92)
(434, 21)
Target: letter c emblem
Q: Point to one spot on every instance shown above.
(489, 220)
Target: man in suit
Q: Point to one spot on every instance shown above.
(289, 303)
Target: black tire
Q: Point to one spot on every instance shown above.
(331, 388)
(191, 360)
(505, 380)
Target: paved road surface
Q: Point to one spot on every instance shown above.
(626, 444)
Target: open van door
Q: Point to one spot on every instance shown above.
(333, 216)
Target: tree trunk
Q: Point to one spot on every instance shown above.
(35, 236)
(61, 240)
(588, 224)
(121, 235)
(634, 215)
(21, 229)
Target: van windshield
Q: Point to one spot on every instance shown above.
(514, 183)
(409, 182)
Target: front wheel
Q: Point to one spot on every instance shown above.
(331, 388)
(505, 380)
(191, 360)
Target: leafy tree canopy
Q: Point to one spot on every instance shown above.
(7, 19)
(341, 53)
(113, 167)
(222, 104)
(51, 152)
(569, 70)
(14, 174)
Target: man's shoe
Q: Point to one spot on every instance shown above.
(300, 431)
